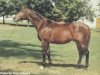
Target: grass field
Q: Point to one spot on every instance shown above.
(21, 53)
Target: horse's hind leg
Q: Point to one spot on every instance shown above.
(86, 53)
(80, 53)
(87, 58)
(79, 60)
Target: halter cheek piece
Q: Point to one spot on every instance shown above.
(24, 13)
(20, 18)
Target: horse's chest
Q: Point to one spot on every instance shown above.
(45, 34)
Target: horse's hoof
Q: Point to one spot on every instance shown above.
(44, 65)
(50, 63)
(86, 66)
(79, 66)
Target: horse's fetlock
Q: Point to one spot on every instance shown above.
(44, 53)
(86, 52)
(48, 52)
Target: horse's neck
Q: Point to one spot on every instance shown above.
(37, 22)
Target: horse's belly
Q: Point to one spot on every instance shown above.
(60, 38)
(60, 41)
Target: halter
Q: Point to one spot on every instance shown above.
(12, 32)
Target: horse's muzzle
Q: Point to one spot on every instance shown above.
(15, 20)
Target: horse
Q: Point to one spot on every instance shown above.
(50, 31)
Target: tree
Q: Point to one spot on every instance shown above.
(98, 8)
(5, 8)
(44, 7)
(66, 10)
(72, 10)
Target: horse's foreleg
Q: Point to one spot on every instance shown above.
(49, 55)
(44, 58)
(44, 52)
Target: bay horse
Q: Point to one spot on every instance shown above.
(50, 31)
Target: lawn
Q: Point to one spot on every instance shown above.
(21, 54)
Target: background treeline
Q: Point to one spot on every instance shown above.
(58, 10)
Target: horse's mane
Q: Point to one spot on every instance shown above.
(38, 14)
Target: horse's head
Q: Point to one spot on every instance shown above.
(26, 14)
(22, 15)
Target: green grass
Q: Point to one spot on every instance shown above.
(22, 53)
(21, 23)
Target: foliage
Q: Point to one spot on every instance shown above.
(66, 10)
(75, 9)
(6, 8)
(9, 7)
(99, 8)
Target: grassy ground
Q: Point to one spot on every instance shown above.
(21, 23)
(21, 53)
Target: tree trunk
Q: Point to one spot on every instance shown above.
(3, 20)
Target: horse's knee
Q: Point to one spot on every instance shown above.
(86, 52)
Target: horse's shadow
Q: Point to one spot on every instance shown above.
(10, 48)
(56, 65)
(69, 65)
(64, 65)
